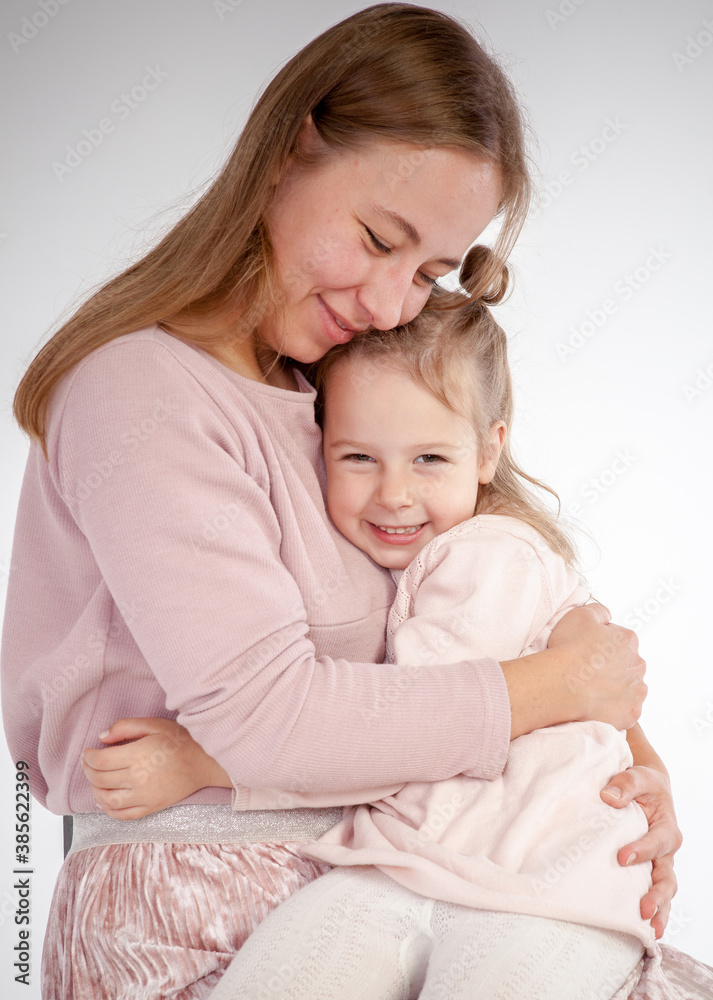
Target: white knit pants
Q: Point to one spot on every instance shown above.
(355, 934)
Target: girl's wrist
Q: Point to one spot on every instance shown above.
(212, 775)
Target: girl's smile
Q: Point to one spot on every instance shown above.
(401, 466)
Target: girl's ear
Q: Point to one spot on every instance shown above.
(491, 452)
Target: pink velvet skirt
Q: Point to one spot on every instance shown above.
(147, 921)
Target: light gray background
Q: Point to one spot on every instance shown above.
(615, 409)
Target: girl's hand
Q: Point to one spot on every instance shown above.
(647, 783)
(160, 767)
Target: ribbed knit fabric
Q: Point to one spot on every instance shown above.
(174, 558)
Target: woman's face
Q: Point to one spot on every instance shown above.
(360, 238)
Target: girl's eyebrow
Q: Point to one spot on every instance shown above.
(408, 230)
(350, 444)
(429, 446)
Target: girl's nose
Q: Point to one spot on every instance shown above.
(394, 492)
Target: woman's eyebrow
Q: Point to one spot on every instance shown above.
(408, 230)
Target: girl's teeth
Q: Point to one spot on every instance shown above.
(400, 531)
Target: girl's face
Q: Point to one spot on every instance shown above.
(359, 239)
(401, 467)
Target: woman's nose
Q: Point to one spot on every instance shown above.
(384, 297)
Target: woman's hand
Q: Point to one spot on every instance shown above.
(161, 767)
(605, 672)
(591, 670)
(647, 783)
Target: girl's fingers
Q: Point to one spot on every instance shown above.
(109, 780)
(135, 812)
(131, 729)
(117, 808)
(110, 759)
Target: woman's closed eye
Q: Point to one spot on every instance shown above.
(387, 250)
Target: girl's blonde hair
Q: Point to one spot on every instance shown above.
(460, 357)
(394, 72)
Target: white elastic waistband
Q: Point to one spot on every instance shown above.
(204, 824)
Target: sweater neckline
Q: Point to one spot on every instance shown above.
(305, 395)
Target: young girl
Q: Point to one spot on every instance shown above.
(506, 888)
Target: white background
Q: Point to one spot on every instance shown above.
(613, 408)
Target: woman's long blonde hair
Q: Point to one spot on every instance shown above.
(395, 72)
(459, 355)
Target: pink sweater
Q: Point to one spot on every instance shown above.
(538, 839)
(174, 558)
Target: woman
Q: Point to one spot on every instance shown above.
(172, 522)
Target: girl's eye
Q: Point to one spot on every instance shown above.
(430, 459)
(359, 458)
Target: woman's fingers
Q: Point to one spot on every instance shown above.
(601, 613)
(632, 784)
(656, 904)
(650, 788)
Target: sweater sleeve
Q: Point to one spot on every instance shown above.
(145, 458)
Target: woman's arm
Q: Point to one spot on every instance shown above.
(590, 670)
(222, 622)
(167, 765)
(218, 615)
